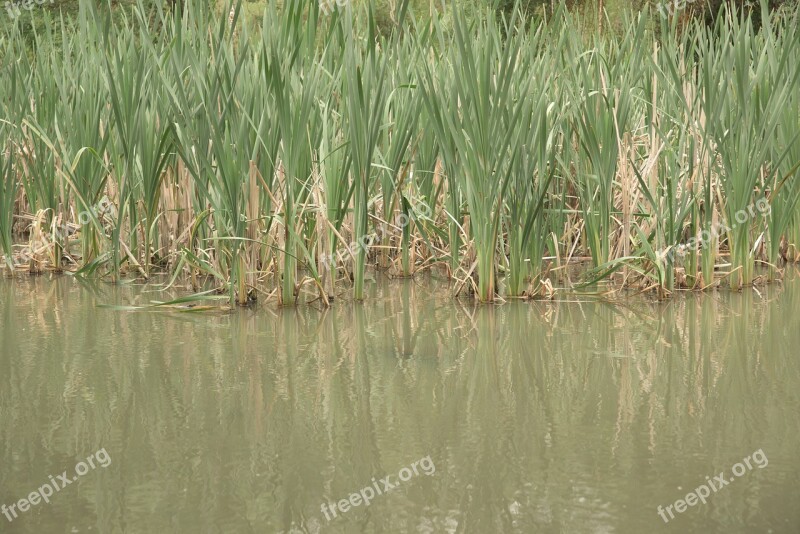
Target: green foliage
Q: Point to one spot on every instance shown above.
(252, 153)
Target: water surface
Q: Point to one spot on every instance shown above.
(538, 417)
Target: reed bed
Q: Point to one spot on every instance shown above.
(497, 150)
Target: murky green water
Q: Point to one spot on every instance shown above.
(567, 417)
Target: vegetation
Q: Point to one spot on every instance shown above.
(498, 147)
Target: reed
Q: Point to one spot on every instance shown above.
(486, 128)
(254, 162)
(527, 197)
(672, 177)
(364, 75)
(8, 193)
(402, 110)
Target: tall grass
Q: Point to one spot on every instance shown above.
(8, 193)
(497, 148)
(486, 127)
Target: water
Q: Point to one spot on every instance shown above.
(537, 417)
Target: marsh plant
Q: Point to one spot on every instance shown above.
(247, 160)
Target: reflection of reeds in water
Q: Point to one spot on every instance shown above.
(250, 160)
(257, 418)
